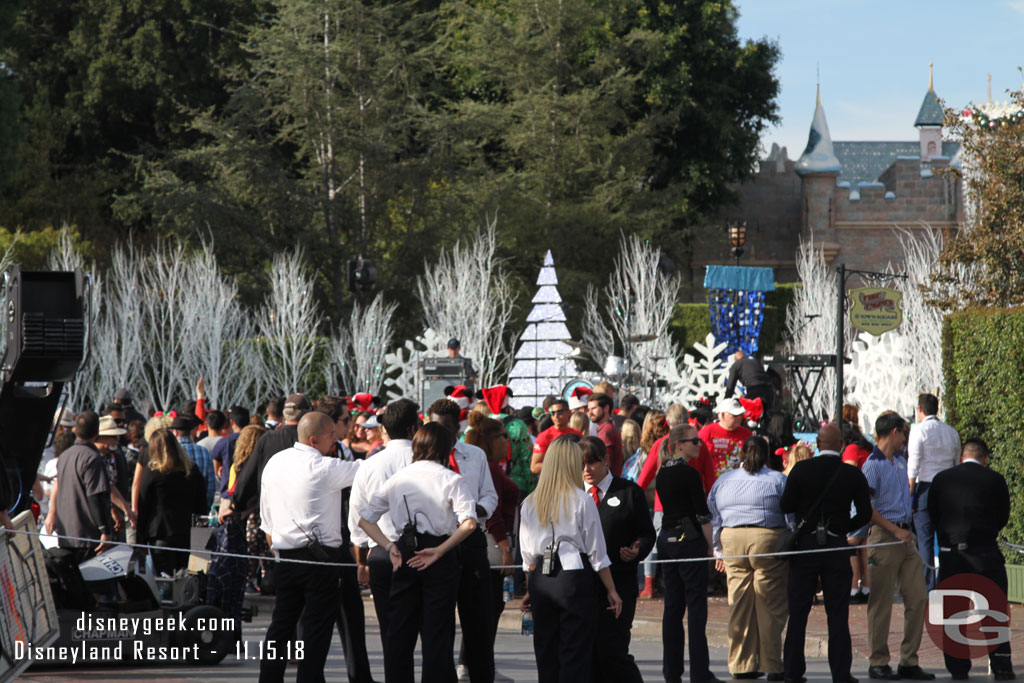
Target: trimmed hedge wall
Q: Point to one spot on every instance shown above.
(691, 323)
(983, 368)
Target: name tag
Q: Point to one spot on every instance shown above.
(613, 502)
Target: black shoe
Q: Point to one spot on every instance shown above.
(748, 676)
(802, 679)
(713, 679)
(959, 677)
(673, 679)
(882, 673)
(859, 598)
(1004, 675)
(914, 673)
(851, 679)
(775, 677)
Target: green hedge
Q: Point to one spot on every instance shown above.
(691, 323)
(982, 355)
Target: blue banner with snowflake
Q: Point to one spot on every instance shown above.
(736, 302)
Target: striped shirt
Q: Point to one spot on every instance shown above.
(204, 461)
(739, 498)
(890, 487)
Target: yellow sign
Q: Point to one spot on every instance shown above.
(876, 309)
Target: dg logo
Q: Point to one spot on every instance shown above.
(968, 616)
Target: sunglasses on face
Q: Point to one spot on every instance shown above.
(558, 412)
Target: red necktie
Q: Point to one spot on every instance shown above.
(596, 495)
(451, 462)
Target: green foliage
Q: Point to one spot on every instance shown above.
(983, 367)
(388, 129)
(984, 262)
(32, 249)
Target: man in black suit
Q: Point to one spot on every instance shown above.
(969, 505)
(629, 535)
(820, 491)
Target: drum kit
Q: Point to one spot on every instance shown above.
(635, 380)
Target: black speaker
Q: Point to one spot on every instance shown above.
(45, 326)
(439, 373)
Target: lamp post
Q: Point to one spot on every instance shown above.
(737, 237)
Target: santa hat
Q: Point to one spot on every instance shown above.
(754, 408)
(459, 394)
(364, 402)
(579, 397)
(496, 398)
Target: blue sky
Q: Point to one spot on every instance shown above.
(873, 56)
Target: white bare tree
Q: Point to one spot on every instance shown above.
(218, 347)
(639, 301)
(358, 350)
(466, 295)
(288, 323)
(598, 339)
(166, 289)
(811, 319)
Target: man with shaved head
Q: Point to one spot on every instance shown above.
(300, 509)
(820, 491)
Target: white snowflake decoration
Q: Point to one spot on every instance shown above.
(882, 377)
(403, 365)
(695, 378)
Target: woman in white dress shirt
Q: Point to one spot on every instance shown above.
(425, 585)
(560, 520)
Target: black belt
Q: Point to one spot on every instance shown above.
(903, 525)
(306, 553)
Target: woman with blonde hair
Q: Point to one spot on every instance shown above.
(580, 422)
(170, 492)
(562, 545)
(797, 452)
(630, 438)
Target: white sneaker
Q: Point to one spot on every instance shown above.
(462, 672)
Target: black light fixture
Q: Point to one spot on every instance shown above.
(737, 237)
(362, 275)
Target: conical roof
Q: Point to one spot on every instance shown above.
(930, 113)
(818, 156)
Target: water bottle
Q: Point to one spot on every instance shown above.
(507, 589)
(527, 623)
(211, 520)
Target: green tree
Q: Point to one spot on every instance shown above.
(101, 82)
(320, 142)
(10, 100)
(983, 264)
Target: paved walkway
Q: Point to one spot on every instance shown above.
(647, 625)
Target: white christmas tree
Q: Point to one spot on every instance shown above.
(542, 363)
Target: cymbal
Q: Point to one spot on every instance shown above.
(642, 338)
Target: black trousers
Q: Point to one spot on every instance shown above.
(989, 563)
(834, 571)
(309, 591)
(686, 588)
(381, 573)
(564, 609)
(422, 603)
(475, 609)
(612, 661)
(352, 627)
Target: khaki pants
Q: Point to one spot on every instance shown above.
(887, 567)
(757, 600)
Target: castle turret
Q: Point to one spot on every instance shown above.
(929, 122)
(818, 168)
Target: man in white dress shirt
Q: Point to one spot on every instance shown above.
(933, 446)
(300, 508)
(401, 420)
(474, 586)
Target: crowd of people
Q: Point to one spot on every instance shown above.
(433, 509)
